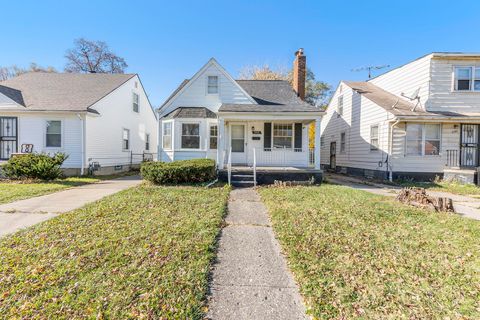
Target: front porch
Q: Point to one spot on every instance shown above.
(244, 175)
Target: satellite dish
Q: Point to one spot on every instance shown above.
(414, 96)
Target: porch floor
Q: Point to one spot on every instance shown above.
(268, 175)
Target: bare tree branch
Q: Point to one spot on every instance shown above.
(93, 57)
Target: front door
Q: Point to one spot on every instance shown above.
(8, 137)
(469, 145)
(333, 153)
(238, 143)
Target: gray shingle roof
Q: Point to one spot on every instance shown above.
(270, 92)
(268, 108)
(388, 101)
(39, 91)
(191, 112)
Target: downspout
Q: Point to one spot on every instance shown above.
(82, 134)
(390, 149)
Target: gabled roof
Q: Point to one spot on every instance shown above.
(191, 112)
(39, 91)
(187, 82)
(268, 108)
(271, 92)
(386, 100)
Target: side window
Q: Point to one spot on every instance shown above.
(167, 136)
(342, 142)
(53, 136)
(213, 136)
(136, 106)
(374, 138)
(212, 85)
(126, 140)
(147, 142)
(340, 106)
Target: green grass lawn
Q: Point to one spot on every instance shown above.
(18, 190)
(15, 190)
(359, 255)
(143, 253)
(452, 187)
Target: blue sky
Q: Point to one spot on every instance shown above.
(167, 41)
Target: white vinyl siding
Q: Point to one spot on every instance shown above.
(195, 92)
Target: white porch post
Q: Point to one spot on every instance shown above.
(221, 143)
(317, 143)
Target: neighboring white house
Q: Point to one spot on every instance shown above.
(265, 122)
(417, 121)
(96, 119)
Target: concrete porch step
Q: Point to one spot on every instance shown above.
(243, 184)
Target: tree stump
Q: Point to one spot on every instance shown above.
(418, 197)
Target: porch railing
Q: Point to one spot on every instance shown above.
(254, 167)
(453, 159)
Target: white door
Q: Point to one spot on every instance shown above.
(238, 144)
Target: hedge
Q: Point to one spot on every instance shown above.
(182, 171)
(34, 166)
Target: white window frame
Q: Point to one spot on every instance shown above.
(424, 140)
(208, 84)
(374, 148)
(292, 137)
(135, 96)
(170, 135)
(199, 135)
(61, 134)
(343, 144)
(129, 140)
(340, 106)
(210, 135)
(474, 76)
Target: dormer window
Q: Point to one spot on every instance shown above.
(212, 85)
(467, 78)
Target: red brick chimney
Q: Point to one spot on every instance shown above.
(299, 73)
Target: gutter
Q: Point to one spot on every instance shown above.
(82, 135)
(390, 149)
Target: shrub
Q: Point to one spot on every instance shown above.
(34, 166)
(183, 171)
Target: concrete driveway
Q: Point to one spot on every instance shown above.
(25, 213)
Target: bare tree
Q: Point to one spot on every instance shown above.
(13, 71)
(317, 92)
(93, 57)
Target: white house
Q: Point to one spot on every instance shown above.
(241, 122)
(101, 120)
(417, 121)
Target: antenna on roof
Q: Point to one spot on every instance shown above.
(370, 68)
(414, 96)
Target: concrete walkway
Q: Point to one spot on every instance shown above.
(465, 206)
(25, 213)
(250, 279)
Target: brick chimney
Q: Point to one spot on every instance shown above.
(299, 73)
